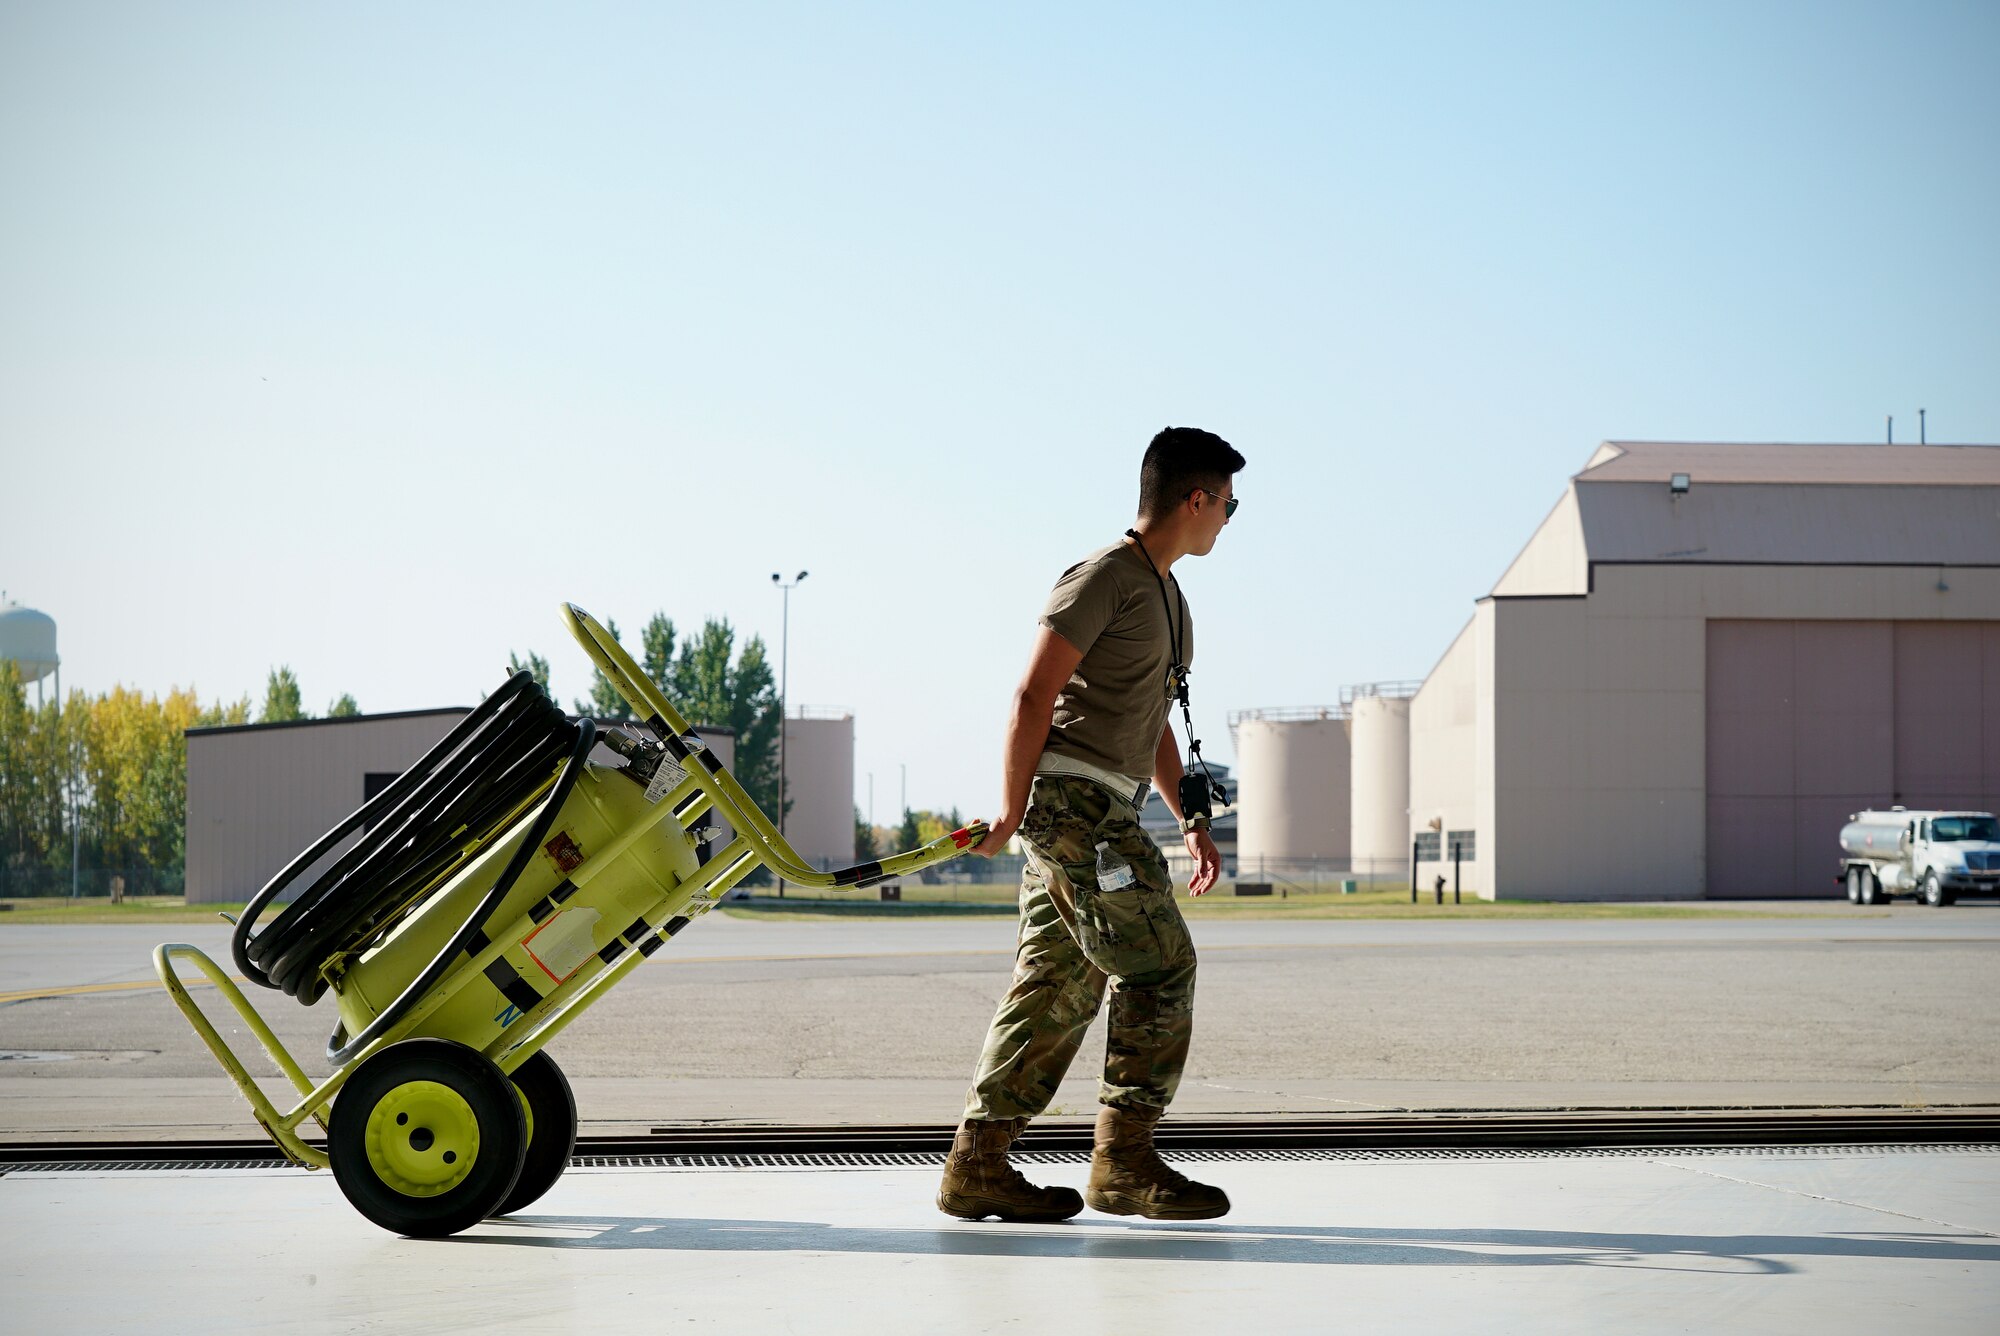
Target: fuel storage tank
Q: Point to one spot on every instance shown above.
(1293, 794)
(1379, 734)
(819, 779)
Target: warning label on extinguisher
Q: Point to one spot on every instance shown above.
(561, 945)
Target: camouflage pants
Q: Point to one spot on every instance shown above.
(1073, 939)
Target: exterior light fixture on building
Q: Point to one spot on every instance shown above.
(1679, 485)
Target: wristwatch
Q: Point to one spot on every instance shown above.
(1193, 824)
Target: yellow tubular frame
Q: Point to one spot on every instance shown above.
(736, 806)
(281, 1128)
(757, 844)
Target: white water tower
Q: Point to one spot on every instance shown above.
(28, 638)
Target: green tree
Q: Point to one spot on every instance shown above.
(711, 683)
(537, 666)
(235, 712)
(911, 834)
(864, 839)
(135, 773)
(704, 680)
(25, 797)
(344, 708)
(282, 702)
(604, 702)
(113, 770)
(756, 715)
(656, 644)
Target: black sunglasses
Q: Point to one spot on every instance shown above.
(1229, 503)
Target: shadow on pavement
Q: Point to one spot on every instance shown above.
(1743, 1253)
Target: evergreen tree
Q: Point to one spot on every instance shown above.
(537, 666)
(704, 681)
(344, 708)
(712, 684)
(656, 655)
(282, 703)
(604, 702)
(236, 712)
(756, 717)
(864, 840)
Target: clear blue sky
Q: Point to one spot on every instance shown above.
(356, 337)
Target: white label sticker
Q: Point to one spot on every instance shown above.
(665, 780)
(561, 945)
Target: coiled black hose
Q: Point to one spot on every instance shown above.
(434, 816)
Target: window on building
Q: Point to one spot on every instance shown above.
(1427, 846)
(1465, 842)
(373, 783)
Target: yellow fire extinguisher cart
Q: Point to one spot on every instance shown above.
(466, 914)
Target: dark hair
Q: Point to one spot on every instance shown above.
(1179, 460)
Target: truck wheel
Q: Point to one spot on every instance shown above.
(1934, 895)
(1854, 875)
(1871, 888)
(550, 1109)
(427, 1138)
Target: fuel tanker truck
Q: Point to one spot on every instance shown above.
(1937, 856)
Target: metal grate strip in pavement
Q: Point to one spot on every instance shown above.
(843, 1160)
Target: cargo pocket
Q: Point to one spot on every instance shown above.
(1152, 896)
(1113, 927)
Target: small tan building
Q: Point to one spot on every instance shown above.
(819, 780)
(1705, 658)
(259, 794)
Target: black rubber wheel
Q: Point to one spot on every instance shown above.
(1854, 875)
(427, 1138)
(1934, 895)
(1871, 889)
(551, 1112)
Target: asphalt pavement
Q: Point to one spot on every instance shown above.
(880, 1020)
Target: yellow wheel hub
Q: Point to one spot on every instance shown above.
(423, 1138)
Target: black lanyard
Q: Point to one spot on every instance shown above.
(1204, 791)
(1180, 668)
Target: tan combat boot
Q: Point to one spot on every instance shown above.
(978, 1180)
(1127, 1176)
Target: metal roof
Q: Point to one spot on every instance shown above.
(1722, 462)
(202, 729)
(1747, 504)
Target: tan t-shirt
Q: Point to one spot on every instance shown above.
(1111, 711)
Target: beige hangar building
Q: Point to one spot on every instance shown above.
(1705, 658)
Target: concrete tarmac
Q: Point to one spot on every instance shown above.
(880, 1020)
(1829, 1241)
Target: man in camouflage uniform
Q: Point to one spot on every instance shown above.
(1089, 726)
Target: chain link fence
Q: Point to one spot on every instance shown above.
(48, 883)
(1303, 875)
(995, 880)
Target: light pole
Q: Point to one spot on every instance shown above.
(784, 683)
